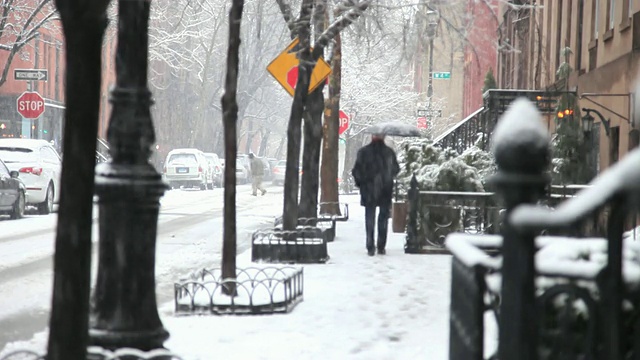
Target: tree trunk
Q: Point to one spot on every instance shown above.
(290, 208)
(311, 155)
(250, 133)
(69, 322)
(313, 131)
(330, 148)
(280, 147)
(351, 149)
(230, 118)
(264, 143)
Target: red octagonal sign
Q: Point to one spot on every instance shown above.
(292, 77)
(30, 105)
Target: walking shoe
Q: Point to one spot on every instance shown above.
(371, 252)
(264, 191)
(382, 252)
(254, 194)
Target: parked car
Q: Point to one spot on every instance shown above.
(188, 168)
(246, 164)
(242, 173)
(12, 192)
(39, 166)
(216, 168)
(278, 173)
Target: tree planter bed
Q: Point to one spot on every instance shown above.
(304, 245)
(324, 227)
(260, 290)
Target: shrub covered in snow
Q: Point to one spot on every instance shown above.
(438, 169)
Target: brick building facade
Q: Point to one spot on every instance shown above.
(604, 38)
(45, 50)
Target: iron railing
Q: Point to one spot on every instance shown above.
(483, 121)
(553, 297)
(260, 290)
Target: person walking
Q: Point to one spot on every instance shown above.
(257, 172)
(375, 168)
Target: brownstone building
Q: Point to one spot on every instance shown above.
(604, 39)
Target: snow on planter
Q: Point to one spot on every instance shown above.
(96, 352)
(259, 290)
(303, 245)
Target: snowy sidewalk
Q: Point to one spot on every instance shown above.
(394, 306)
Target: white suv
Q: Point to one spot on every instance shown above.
(39, 166)
(188, 168)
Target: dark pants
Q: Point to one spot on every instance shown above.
(383, 217)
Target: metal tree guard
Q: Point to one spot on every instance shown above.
(129, 189)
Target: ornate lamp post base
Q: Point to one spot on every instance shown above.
(125, 310)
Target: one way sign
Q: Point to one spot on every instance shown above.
(31, 74)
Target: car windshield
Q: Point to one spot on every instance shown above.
(17, 154)
(282, 163)
(183, 159)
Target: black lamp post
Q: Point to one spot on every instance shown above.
(433, 17)
(588, 121)
(124, 312)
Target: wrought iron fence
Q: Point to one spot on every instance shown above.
(440, 213)
(483, 121)
(98, 353)
(554, 297)
(259, 290)
(306, 244)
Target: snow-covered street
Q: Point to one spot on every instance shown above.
(189, 234)
(355, 306)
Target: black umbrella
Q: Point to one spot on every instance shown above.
(393, 129)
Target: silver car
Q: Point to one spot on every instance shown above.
(188, 168)
(278, 173)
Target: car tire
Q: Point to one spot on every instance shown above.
(18, 208)
(46, 207)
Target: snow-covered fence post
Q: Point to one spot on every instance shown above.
(129, 188)
(521, 146)
(412, 245)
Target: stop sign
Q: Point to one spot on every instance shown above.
(422, 123)
(30, 105)
(344, 122)
(292, 77)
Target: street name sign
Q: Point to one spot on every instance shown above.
(30, 105)
(430, 113)
(31, 74)
(442, 75)
(284, 68)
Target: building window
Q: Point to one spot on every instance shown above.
(614, 145)
(559, 58)
(595, 16)
(634, 139)
(626, 9)
(611, 13)
(579, 35)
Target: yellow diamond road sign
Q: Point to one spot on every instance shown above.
(284, 69)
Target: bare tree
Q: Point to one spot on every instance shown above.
(230, 113)
(312, 109)
(20, 22)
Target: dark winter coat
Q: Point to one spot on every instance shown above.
(373, 172)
